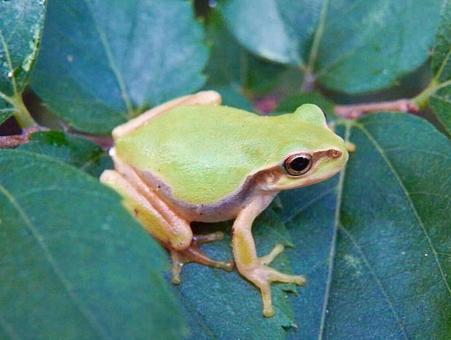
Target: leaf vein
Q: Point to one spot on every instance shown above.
(53, 264)
(331, 257)
(111, 62)
(376, 279)
(409, 199)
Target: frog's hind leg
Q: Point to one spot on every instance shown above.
(194, 254)
(162, 223)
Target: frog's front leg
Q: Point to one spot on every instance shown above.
(253, 268)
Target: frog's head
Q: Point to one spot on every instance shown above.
(312, 151)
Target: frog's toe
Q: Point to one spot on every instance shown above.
(206, 238)
(262, 276)
(277, 250)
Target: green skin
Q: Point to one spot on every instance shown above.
(205, 153)
(205, 162)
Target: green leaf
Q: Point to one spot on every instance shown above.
(374, 241)
(223, 305)
(76, 151)
(5, 114)
(234, 72)
(21, 23)
(440, 100)
(345, 45)
(74, 264)
(102, 62)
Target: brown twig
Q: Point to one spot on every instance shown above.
(14, 141)
(105, 142)
(356, 110)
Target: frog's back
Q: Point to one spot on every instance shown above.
(203, 153)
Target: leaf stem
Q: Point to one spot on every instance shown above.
(357, 110)
(21, 113)
(422, 99)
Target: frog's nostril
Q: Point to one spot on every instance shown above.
(334, 153)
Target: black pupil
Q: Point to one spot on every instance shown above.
(299, 163)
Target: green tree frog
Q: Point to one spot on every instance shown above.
(192, 159)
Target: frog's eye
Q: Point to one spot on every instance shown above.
(298, 164)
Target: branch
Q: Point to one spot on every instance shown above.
(357, 110)
(14, 141)
(105, 142)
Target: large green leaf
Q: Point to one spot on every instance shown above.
(102, 62)
(374, 241)
(440, 100)
(76, 151)
(21, 23)
(74, 264)
(347, 45)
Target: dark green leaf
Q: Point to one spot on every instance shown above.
(374, 241)
(232, 96)
(441, 60)
(347, 45)
(233, 71)
(440, 101)
(102, 62)
(5, 114)
(223, 305)
(21, 23)
(76, 151)
(74, 264)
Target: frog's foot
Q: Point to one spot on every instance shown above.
(194, 254)
(262, 276)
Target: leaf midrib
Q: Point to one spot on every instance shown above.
(317, 37)
(111, 62)
(331, 256)
(338, 225)
(97, 328)
(409, 199)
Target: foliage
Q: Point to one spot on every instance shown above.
(70, 267)
(373, 241)
(441, 66)
(102, 62)
(20, 33)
